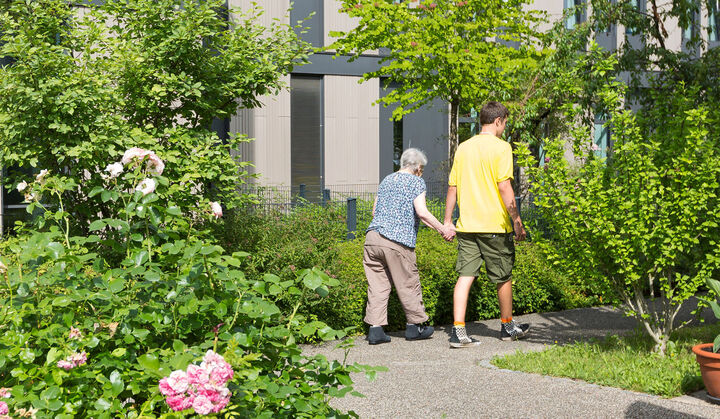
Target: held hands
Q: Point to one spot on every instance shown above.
(448, 231)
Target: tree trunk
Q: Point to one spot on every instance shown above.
(453, 140)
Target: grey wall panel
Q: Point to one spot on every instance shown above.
(325, 63)
(427, 129)
(314, 29)
(385, 138)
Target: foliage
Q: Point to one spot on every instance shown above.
(462, 52)
(621, 362)
(85, 335)
(646, 218)
(87, 83)
(714, 286)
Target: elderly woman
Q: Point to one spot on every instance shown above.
(389, 252)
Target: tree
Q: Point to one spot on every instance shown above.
(463, 52)
(85, 87)
(646, 219)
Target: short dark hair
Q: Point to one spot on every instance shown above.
(492, 111)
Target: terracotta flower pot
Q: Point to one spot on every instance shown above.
(709, 367)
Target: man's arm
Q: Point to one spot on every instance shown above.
(508, 196)
(450, 201)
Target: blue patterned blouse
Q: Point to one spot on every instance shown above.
(395, 217)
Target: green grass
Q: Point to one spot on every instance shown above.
(626, 362)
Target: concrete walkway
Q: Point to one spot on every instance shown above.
(427, 379)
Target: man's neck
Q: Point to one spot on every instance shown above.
(489, 129)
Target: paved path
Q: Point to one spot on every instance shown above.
(426, 379)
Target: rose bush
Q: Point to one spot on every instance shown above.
(90, 325)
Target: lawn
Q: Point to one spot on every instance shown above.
(626, 362)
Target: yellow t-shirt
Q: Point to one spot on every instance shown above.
(480, 163)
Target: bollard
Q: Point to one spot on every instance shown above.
(326, 196)
(351, 218)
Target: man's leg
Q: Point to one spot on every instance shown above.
(499, 254)
(504, 292)
(460, 297)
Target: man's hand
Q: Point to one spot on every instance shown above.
(448, 231)
(520, 233)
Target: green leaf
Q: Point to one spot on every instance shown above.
(149, 362)
(119, 352)
(61, 301)
(141, 258)
(116, 284)
(55, 249)
(716, 344)
(102, 405)
(117, 383)
(53, 355)
(97, 225)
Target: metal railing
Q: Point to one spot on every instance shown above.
(356, 201)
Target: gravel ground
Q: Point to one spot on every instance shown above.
(427, 379)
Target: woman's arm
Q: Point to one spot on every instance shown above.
(427, 217)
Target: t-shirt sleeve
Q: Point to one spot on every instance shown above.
(452, 180)
(505, 165)
(419, 187)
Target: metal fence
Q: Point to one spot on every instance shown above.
(356, 201)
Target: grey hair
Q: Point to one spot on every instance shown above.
(412, 158)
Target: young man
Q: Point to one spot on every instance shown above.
(480, 185)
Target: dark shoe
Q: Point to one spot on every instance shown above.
(376, 335)
(460, 339)
(418, 331)
(513, 331)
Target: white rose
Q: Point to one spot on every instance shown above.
(114, 169)
(22, 186)
(216, 209)
(40, 178)
(146, 186)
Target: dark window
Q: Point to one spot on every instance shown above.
(714, 21)
(306, 139)
(578, 16)
(397, 143)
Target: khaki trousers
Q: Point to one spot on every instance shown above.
(386, 263)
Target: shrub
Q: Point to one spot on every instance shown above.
(90, 336)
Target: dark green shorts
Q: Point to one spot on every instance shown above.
(496, 250)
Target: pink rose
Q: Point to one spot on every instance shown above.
(594, 147)
(4, 393)
(74, 333)
(197, 375)
(220, 405)
(165, 388)
(78, 358)
(216, 209)
(202, 405)
(66, 365)
(221, 374)
(178, 381)
(179, 402)
(4, 408)
(146, 186)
